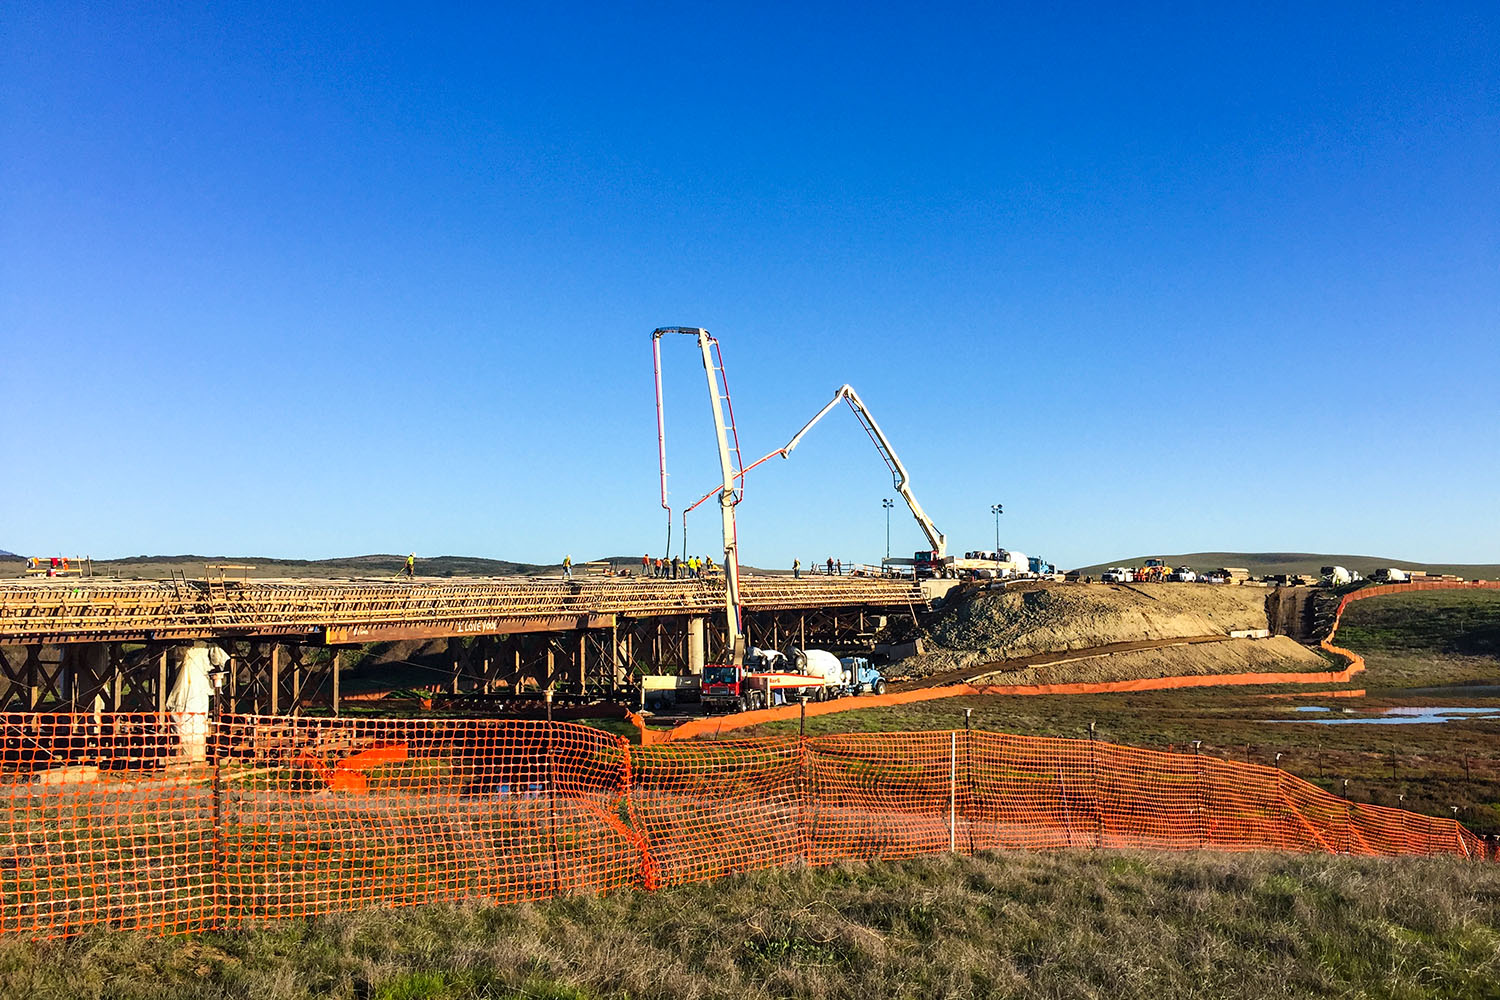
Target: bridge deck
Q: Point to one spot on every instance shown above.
(48, 611)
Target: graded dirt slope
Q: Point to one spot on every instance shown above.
(1278, 654)
(997, 625)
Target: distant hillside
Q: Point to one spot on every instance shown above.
(1267, 563)
(6, 553)
(379, 566)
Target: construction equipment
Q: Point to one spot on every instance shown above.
(860, 677)
(728, 497)
(1155, 571)
(1041, 567)
(754, 684)
(768, 678)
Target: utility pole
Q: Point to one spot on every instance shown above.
(888, 503)
(997, 509)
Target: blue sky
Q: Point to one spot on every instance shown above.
(331, 281)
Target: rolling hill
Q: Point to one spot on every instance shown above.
(377, 566)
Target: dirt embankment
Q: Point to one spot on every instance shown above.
(1278, 654)
(997, 625)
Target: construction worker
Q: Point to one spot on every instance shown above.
(675, 563)
(796, 569)
(830, 566)
(567, 567)
(658, 567)
(645, 565)
(411, 566)
(838, 567)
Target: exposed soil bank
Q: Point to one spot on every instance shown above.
(987, 626)
(1232, 656)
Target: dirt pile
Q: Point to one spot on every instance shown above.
(1003, 624)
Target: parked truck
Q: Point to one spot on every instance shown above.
(770, 678)
(1041, 567)
(860, 677)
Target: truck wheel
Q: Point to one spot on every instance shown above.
(759, 699)
(880, 686)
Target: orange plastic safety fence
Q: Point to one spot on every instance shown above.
(334, 814)
(96, 828)
(172, 823)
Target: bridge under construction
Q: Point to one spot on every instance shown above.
(112, 645)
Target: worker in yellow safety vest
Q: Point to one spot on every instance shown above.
(567, 567)
(410, 569)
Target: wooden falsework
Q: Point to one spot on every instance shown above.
(94, 611)
(89, 647)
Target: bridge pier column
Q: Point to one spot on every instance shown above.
(697, 644)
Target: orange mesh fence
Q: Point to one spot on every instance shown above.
(709, 809)
(172, 824)
(96, 829)
(742, 720)
(334, 814)
(1357, 662)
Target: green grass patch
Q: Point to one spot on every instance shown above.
(1026, 925)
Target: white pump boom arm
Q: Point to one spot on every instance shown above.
(902, 481)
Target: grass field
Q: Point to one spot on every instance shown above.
(1034, 925)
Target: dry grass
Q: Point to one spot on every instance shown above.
(1038, 925)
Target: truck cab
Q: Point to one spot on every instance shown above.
(725, 686)
(928, 563)
(860, 677)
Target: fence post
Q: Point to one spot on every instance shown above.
(953, 792)
(804, 791)
(552, 795)
(1202, 818)
(969, 791)
(1094, 784)
(1286, 806)
(215, 738)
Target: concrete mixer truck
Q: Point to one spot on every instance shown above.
(770, 678)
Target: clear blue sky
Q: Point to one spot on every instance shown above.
(324, 282)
